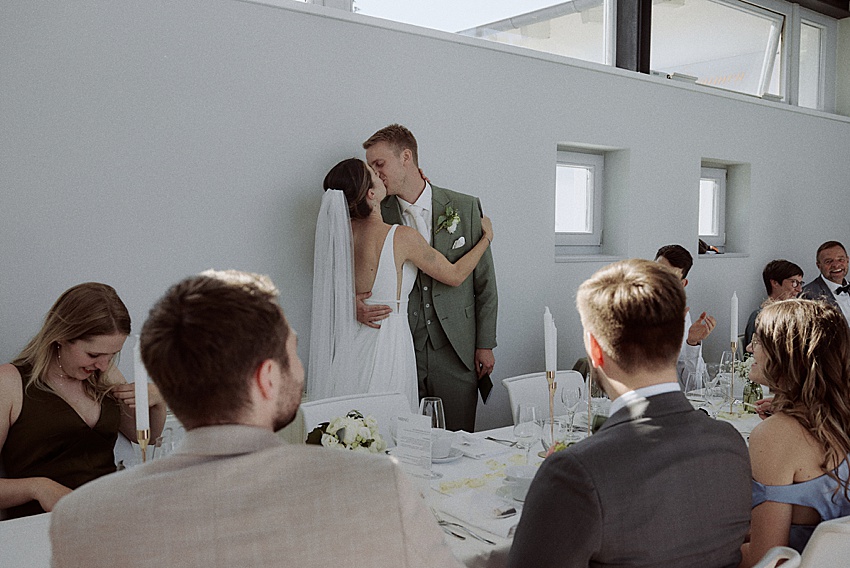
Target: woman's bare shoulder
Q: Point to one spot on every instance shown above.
(10, 383)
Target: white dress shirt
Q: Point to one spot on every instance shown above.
(419, 215)
(690, 356)
(843, 300)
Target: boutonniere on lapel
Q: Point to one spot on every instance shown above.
(448, 220)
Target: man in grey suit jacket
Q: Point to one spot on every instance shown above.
(660, 484)
(831, 286)
(222, 354)
(454, 328)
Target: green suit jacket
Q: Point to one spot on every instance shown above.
(466, 313)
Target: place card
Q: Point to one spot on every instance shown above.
(413, 445)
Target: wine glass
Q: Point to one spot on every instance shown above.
(572, 397)
(527, 428)
(694, 389)
(433, 406)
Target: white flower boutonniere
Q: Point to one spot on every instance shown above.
(448, 220)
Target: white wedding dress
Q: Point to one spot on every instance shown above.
(384, 358)
(345, 356)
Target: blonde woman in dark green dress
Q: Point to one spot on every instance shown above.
(63, 402)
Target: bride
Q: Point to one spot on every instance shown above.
(357, 252)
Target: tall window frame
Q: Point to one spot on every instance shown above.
(586, 239)
(712, 206)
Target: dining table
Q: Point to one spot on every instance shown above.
(473, 488)
(469, 492)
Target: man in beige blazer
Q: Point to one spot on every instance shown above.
(222, 354)
(454, 328)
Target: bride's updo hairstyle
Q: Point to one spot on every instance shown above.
(352, 177)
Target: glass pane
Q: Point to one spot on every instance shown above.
(573, 199)
(574, 29)
(708, 194)
(720, 44)
(810, 68)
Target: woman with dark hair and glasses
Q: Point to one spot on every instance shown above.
(782, 280)
(799, 454)
(63, 401)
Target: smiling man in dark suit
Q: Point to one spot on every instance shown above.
(831, 286)
(454, 328)
(660, 484)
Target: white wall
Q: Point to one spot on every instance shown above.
(141, 142)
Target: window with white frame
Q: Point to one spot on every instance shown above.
(766, 48)
(578, 200)
(712, 207)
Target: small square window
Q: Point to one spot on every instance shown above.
(578, 199)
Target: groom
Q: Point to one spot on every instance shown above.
(454, 328)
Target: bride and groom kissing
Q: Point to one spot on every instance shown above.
(411, 263)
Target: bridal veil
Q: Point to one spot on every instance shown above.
(334, 322)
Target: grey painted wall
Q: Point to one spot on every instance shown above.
(141, 142)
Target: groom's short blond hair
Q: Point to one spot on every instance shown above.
(397, 136)
(636, 311)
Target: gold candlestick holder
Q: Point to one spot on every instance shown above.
(143, 436)
(550, 378)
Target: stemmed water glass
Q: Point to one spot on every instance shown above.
(527, 428)
(433, 406)
(695, 391)
(572, 397)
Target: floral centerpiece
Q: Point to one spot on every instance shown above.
(742, 368)
(349, 432)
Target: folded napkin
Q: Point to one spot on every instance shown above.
(478, 448)
(481, 510)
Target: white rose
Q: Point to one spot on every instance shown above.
(453, 227)
(329, 441)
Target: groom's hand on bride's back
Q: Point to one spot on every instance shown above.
(369, 314)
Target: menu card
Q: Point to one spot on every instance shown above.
(413, 445)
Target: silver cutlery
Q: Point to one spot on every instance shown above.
(451, 532)
(503, 442)
(444, 523)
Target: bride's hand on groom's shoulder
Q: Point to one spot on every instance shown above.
(487, 227)
(369, 314)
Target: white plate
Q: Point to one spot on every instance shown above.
(455, 454)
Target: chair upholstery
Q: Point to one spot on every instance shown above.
(533, 388)
(383, 406)
(829, 545)
(777, 553)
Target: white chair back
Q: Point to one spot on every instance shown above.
(25, 541)
(777, 553)
(383, 406)
(829, 545)
(533, 388)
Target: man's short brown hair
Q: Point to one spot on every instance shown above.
(397, 136)
(636, 311)
(206, 337)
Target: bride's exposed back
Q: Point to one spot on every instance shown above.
(345, 357)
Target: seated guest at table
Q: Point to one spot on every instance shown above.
(659, 484)
(232, 494)
(799, 454)
(831, 286)
(63, 401)
(690, 359)
(782, 280)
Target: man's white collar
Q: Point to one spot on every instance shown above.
(645, 392)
